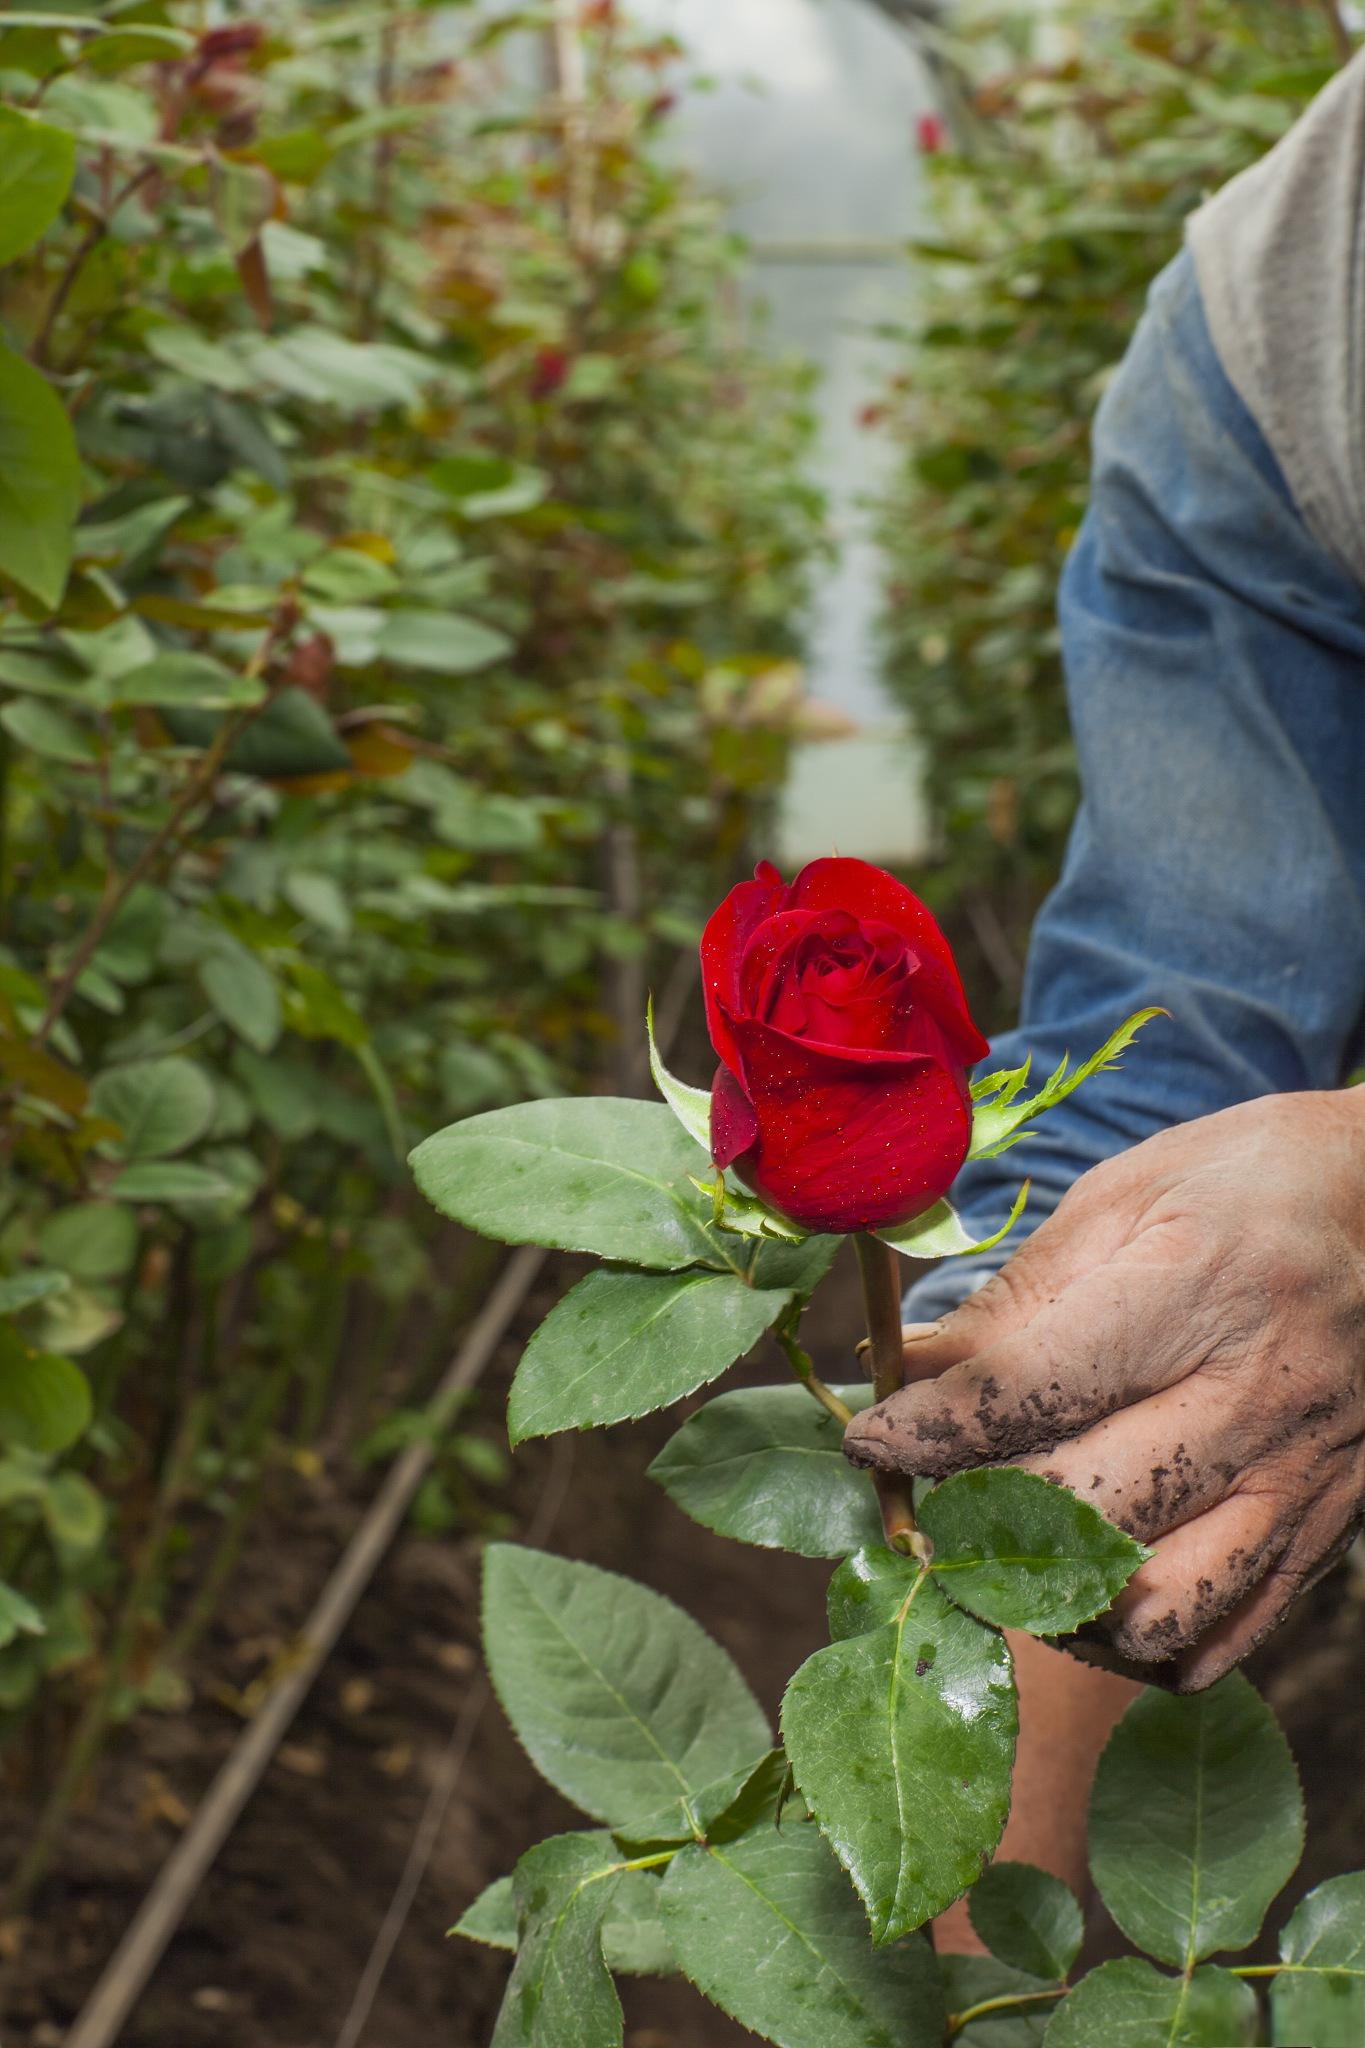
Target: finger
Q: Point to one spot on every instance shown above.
(1312, 1554)
(1090, 1226)
(912, 1335)
(1157, 1464)
(1194, 1576)
(1121, 1334)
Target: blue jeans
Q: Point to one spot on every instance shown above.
(1215, 661)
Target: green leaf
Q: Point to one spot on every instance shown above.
(868, 1590)
(443, 643)
(691, 1106)
(18, 1616)
(44, 1399)
(37, 164)
(185, 678)
(160, 1106)
(621, 1344)
(973, 1980)
(998, 1114)
(1019, 1552)
(245, 995)
(45, 730)
(593, 1174)
(1196, 1820)
(1027, 1919)
(91, 1241)
(492, 1917)
(902, 1742)
(170, 1180)
(19, 1291)
(1128, 2004)
(293, 736)
(767, 1928)
(765, 1465)
(74, 1512)
(40, 482)
(1322, 1999)
(722, 1811)
(938, 1233)
(196, 356)
(561, 1994)
(633, 1939)
(799, 1266)
(619, 1698)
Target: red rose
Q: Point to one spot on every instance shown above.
(844, 1039)
(931, 137)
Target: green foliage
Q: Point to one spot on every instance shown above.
(584, 1175)
(1020, 1553)
(766, 1465)
(1084, 138)
(633, 1939)
(729, 1912)
(622, 1702)
(621, 1344)
(1322, 1998)
(1028, 1920)
(1132, 2005)
(1184, 1860)
(561, 1994)
(374, 549)
(902, 1741)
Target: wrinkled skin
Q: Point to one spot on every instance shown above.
(1182, 1344)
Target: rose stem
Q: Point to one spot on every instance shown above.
(879, 1267)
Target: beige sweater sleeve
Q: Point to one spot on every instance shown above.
(1280, 256)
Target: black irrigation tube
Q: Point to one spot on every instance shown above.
(125, 1975)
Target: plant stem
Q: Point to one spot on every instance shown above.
(958, 2020)
(118, 890)
(799, 1360)
(879, 1269)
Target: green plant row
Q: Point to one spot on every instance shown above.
(400, 556)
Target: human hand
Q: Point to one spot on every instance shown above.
(1183, 1345)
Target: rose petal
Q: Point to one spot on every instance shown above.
(849, 1139)
(727, 933)
(734, 1120)
(871, 894)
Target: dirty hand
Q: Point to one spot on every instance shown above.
(1182, 1344)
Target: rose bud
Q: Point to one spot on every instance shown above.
(837, 1013)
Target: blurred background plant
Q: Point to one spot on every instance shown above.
(1075, 141)
(401, 562)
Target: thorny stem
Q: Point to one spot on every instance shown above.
(878, 1267)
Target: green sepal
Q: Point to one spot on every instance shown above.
(691, 1106)
(938, 1233)
(998, 1114)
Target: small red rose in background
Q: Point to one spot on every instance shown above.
(837, 1013)
(931, 136)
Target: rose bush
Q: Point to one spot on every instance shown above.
(716, 1850)
(838, 1016)
(836, 1010)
